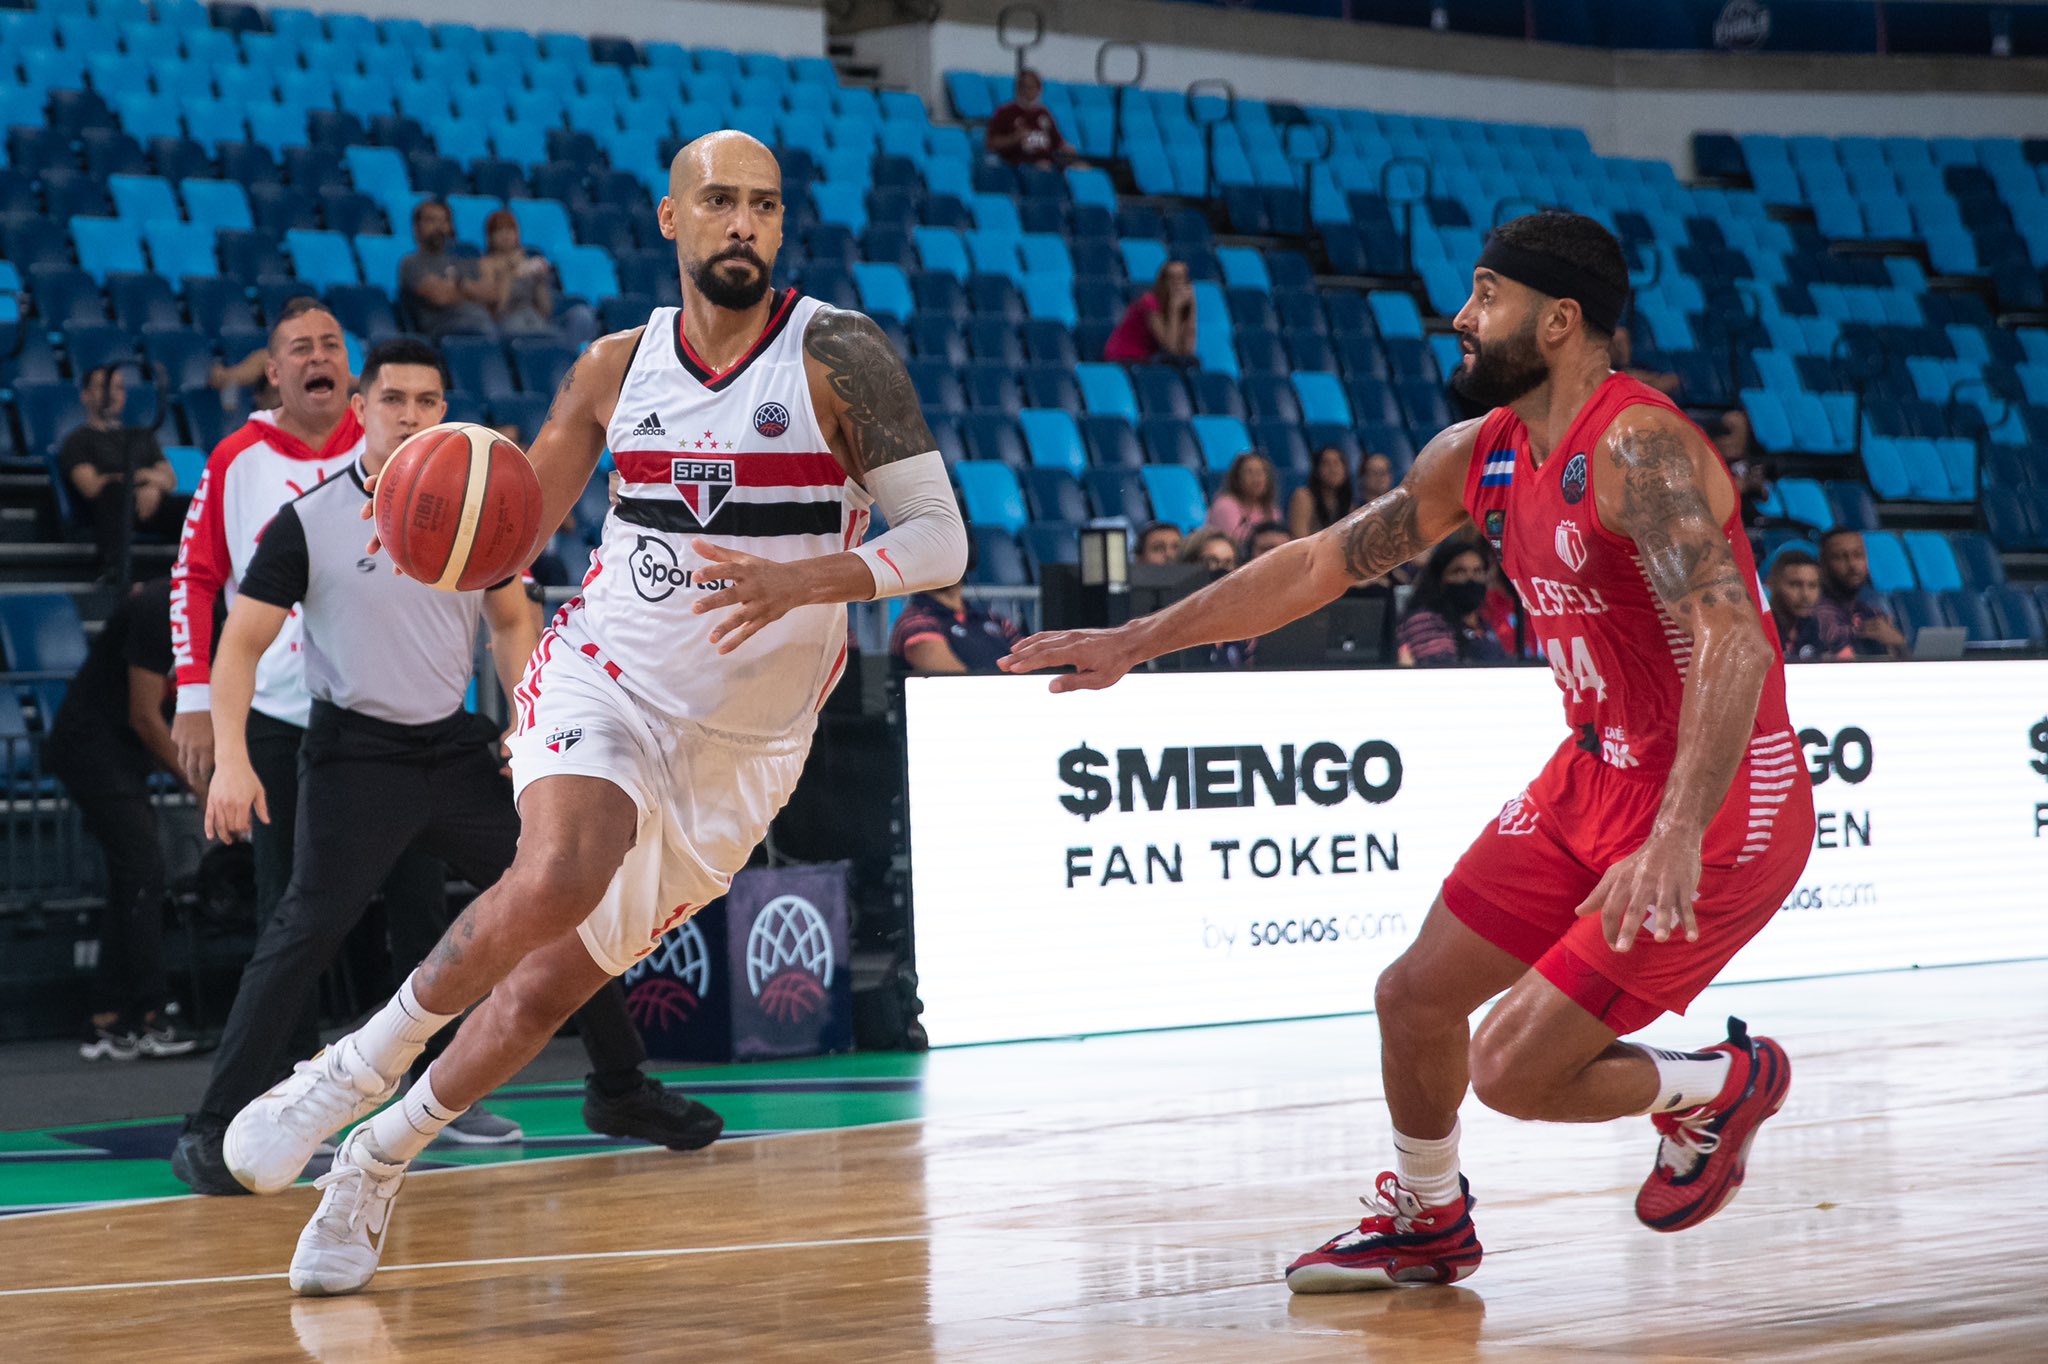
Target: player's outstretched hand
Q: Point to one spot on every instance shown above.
(1657, 884)
(1098, 658)
(233, 792)
(760, 591)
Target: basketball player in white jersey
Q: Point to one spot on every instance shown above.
(667, 712)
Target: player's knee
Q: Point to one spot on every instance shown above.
(1502, 1083)
(1404, 993)
(556, 886)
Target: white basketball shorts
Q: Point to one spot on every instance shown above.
(705, 796)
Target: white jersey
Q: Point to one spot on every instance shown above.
(737, 459)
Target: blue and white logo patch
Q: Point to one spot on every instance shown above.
(1499, 470)
(1574, 482)
(771, 419)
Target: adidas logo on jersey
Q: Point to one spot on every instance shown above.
(651, 426)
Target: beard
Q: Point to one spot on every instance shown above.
(1503, 371)
(722, 292)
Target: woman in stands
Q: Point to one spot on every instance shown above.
(1325, 499)
(1250, 495)
(524, 285)
(1159, 326)
(1446, 622)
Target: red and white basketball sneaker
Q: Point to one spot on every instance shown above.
(1400, 1242)
(1702, 1154)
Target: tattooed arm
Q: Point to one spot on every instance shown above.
(1655, 481)
(1279, 586)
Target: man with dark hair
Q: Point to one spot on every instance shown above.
(392, 760)
(1664, 833)
(277, 455)
(446, 294)
(1024, 132)
(1264, 538)
(1803, 633)
(1159, 542)
(117, 470)
(1848, 604)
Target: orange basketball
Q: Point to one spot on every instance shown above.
(458, 507)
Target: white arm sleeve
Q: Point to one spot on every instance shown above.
(926, 543)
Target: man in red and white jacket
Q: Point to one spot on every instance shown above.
(274, 457)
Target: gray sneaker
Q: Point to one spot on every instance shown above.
(480, 1127)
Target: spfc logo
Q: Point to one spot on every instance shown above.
(1571, 546)
(704, 484)
(771, 419)
(1575, 479)
(562, 740)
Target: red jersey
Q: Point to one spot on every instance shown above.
(1618, 655)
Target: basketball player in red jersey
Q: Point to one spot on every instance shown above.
(1678, 804)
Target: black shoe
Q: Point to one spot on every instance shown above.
(653, 1113)
(197, 1159)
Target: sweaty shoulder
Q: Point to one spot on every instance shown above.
(1652, 463)
(861, 392)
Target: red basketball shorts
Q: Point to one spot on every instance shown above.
(1520, 882)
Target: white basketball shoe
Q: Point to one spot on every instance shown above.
(270, 1141)
(339, 1249)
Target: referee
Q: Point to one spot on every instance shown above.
(391, 761)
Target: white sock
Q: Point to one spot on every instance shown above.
(396, 1034)
(403, 1130)
(1428, 1169)
(1686, 1079)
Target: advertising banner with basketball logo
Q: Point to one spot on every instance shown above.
(1187, 849)
(679, 995)
(787, 956)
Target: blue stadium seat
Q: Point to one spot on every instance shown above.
(107, 244)
(2017, 614)
(142, 301)
(1112, 443)
(41, 632)
(1118, 492)
(1976, 560)
(1054, 494)
(1394, 313)
(1171, 440)
(1917, 609)
(1106, 390)
(1803, 500)
(991, 494)
(993, 437)
(1053, 440)
(188, 463)
(1322, 399)
(1161, 392)
(539, 363)
(1890, 568)
(323, 259)
(478, 367)
(1934, 560)
(1175, 494)
(1221, 440)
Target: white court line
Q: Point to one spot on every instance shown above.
(658, 1252)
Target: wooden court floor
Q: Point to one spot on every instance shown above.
(1135, 1199)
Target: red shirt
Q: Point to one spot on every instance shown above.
(1132, 343)
(1041, 133)
(1617, 654)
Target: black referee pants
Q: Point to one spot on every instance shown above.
(369, 791)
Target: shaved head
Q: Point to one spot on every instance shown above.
(724, 213)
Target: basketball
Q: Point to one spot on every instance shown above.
(458, 507)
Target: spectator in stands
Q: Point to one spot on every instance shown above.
(1745, 462)
(1848, 603)
(941, 632)
(447, 295)
(1446, 622)
(1213, 549)
(1216, 551)
(118, 472)
(251, 373)
(108, 739)
(1024, 132)
(1326, 498)
(1804, 633)
(1159, 326)
(1159, 543)
(523, 287)
(1248, 498)
(1375, 478)
(1621, 354)
(1266, 537)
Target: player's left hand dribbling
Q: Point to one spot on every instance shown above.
(1656, 884)
(759, 591)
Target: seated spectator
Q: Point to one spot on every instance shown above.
(118, 472)
(1024, 132)
(109, 738)
(1325, 499)
(1794, 593)
(446, 294)
(1217, 552)
(1159, 326)
(523, 287)
(1266, 537)
(939, 632)
(1621, 354)
(1446, 622)
(1848, 604)
(1159, 543)
(1745, 462)
(1375, 478)
(1247, 499)
(245, 386)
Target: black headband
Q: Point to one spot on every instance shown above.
(1601, 303)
